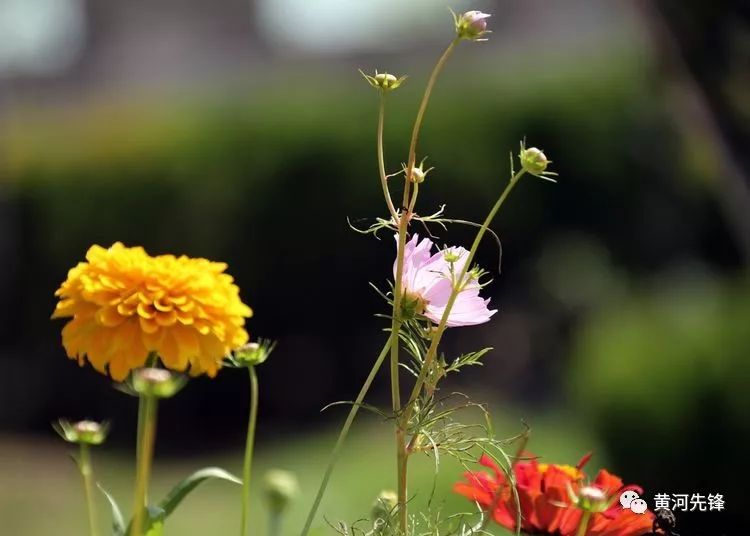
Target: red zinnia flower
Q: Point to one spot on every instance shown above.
(546, 505)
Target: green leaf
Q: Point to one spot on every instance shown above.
(157, 527)
(153, 522)
(180, 491)
(118, 522)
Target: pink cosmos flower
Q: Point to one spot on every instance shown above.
(428, 281)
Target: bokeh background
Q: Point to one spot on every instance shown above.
(240, 130)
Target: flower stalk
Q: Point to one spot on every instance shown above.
(148, 403)
(87, 473)
(84, 434)
(381, 160)
(584, 524)
(408, 204)
(249, 443)
(344, 433)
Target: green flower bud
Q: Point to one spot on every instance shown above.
(157, 382)
(471, 25)
(384, 505)
(450, 255)
(419, 173)
(82, 432)
(252, 353)
(383, 81)
(533, 160)
(281, 488)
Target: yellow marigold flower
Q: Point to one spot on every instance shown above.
(125, 304)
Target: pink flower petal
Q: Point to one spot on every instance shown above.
(429, 276)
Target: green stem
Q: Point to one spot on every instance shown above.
(401, 452)
(381, 160)
(395, 329)
(584, 524)
(87, 473)
(414, 196)
(146, 441)
(499, 494)
(343, 435)
(395, 387)
(249, 443)
(423, 105)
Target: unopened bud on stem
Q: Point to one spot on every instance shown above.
(535, 162)
(252, 353)
(471, 25)
(589, 499)
(82, 432)
(157, 382)
(383, 81)
(419, 173)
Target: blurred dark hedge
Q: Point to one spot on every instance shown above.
(265, 182)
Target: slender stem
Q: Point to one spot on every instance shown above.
(414, 196)
(249, 443)
(139, 431)
(501, 490)
(87, 473)
(147, 438)
(401, 452)
(381, 160)
(423, 105)
(432, 350)
(395, 329)
(343, 435)
(584, 524)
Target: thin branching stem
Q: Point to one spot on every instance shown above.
(414, 196)
(344, 433)
(381, 160)
(423, 106)
(395, 329)
(249, 443)
(500, 492)
(401, 453)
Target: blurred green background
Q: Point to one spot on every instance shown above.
(241, 131)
